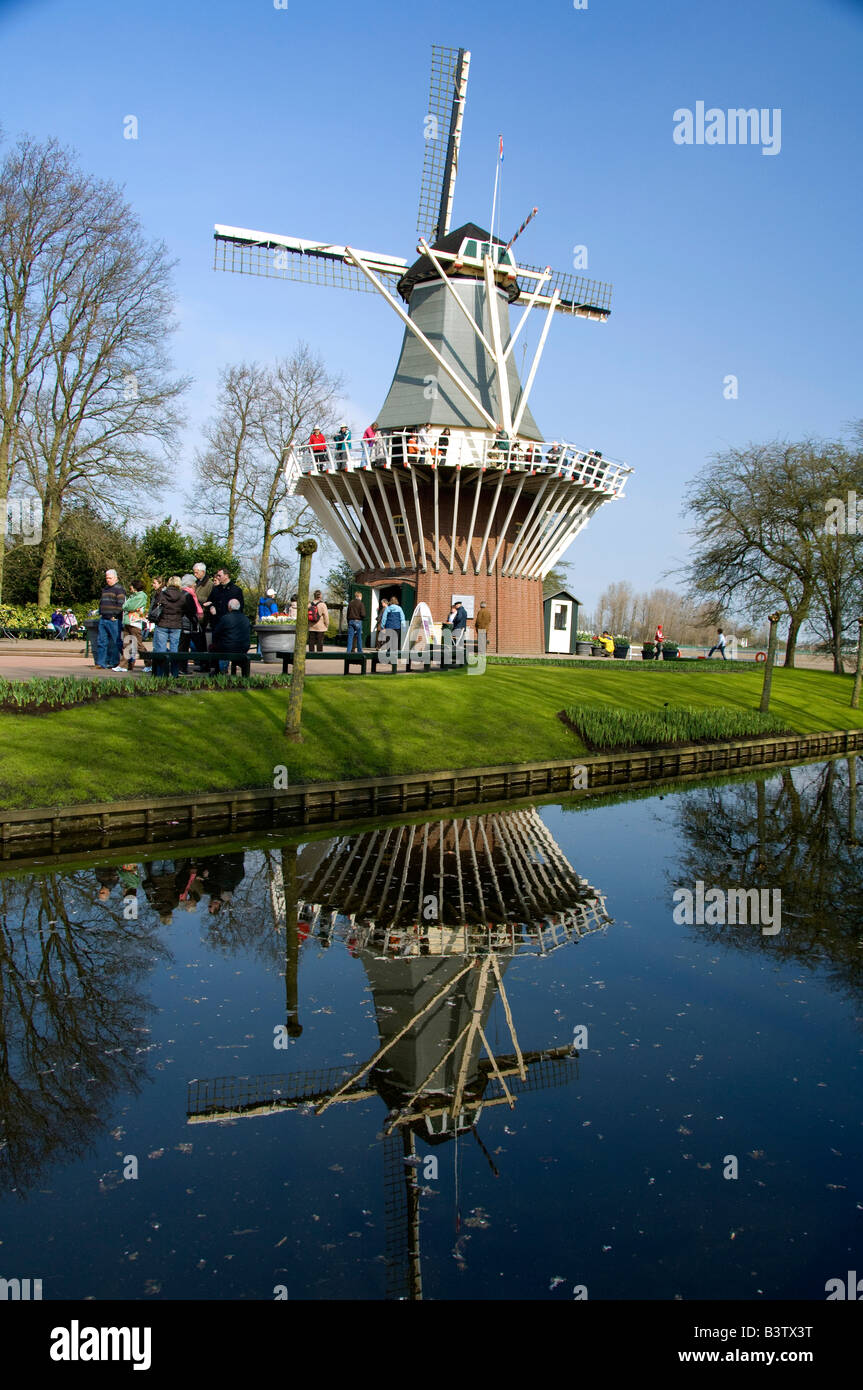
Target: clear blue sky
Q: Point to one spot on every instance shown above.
(308, 120)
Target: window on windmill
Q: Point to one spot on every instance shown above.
(469, 249)
(398, 524)
(560, 618)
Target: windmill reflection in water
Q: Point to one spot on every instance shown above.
(436, 912)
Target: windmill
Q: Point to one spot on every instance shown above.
(502, 888)
(457, 493)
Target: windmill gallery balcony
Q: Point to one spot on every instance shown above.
(412, 503)
(402, 448)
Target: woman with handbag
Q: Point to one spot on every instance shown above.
(172, 604)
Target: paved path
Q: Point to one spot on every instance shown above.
(24, 659)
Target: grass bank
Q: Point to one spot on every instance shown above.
(361, 727)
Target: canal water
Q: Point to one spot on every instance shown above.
(492, 1056)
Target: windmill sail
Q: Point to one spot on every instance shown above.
(447, 91)
(297, 258)
(578, 295)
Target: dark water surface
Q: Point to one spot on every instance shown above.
(189, 1018)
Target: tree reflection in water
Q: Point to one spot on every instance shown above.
(72, 1015)
(796, 831)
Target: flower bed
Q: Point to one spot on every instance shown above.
(603, 730)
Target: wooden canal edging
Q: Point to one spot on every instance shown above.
(105, 825)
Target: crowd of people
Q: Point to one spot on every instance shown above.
(191, 613)
(184, 614)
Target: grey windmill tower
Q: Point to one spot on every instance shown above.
(458, 492)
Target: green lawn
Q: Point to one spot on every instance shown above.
(358, 727)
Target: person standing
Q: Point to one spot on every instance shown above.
(356, 617)
(133, 626)
(393, 621)
(343, 447)
(718, 646)
(174, 604)
(203, 589)
(657, 640)
(292, 608)
(379, 625)
(224, 589)
(190, 636)
(318, 441)
(319, 621)
(108, 636)
(267, 606)
(371, 442)
(482, 621)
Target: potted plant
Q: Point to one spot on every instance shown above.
(583, 644)
(621, 646)
(670, 651)
(275, 634)
(648, 651)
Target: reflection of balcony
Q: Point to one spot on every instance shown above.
(405, 449)
(496, 882)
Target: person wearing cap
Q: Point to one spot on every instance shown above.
(343, 446)
(267, 606)
(482, 621)
(318, 442)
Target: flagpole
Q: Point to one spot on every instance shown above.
(494, 199)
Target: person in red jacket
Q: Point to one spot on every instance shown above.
(318, 442)
(657, 638)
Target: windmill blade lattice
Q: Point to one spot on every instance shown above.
(447, 88)
(578, 295)
(276, 259)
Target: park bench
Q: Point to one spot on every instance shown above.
(159, 660)
(375, 659)
(361, 659)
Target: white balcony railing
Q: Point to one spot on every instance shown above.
(403, 448)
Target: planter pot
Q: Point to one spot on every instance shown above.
(584, 648)
(647, 655)
(621, 653)
(670, 655)
(275, 637)
(596, 649)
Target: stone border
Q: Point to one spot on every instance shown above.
(105, 825)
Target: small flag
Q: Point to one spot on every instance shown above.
(501, 149)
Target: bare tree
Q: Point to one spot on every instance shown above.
(300, 394)
(261, 413)
(762, 541)
(90, 406)
(231, 439)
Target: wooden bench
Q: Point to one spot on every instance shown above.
(348, 659)
(374, 659)
(160, 660)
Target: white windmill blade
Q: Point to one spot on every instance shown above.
(443, 123)
(298, 258)
(577, 295)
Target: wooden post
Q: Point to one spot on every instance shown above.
(773, 619)
(305, 550)
(858, 674)
(292, 941)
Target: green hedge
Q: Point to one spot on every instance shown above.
(606, 729)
